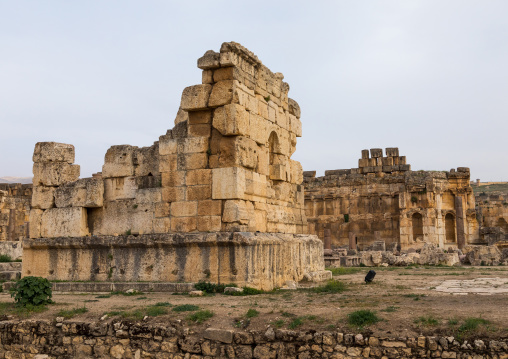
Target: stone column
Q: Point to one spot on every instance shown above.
(328, 239)
(352, 240)
(12, 225)
(459, 222)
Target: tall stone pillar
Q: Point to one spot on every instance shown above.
(328, 239)
(459, 222)
(352, 240)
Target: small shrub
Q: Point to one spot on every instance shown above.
(32, 291)
(200, 316)
(5, 258)
(137, 314)
(127, 294)
(252, 291)
(67, 314)
(185, 308)
(346, 218)
(162, 304)
(414, 296)
(251, 313)
(453, 321)
(361, 318)
(128, 232)
(471, 324)
(427, 321)
(295, 323)
(332, 286)
(154, 311)
(414, 199)
(278, 323)
(247, 291)
(208, 287)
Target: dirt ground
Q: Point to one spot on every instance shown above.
(410, 301)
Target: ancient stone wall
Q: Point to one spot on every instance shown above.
(62, 339)
(492, 213)
(225, 166)
(14, 211)
(383, 200)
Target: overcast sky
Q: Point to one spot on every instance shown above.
(429, 77)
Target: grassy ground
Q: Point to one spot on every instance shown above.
(401, 301)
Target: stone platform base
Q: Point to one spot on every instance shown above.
(107, 287)
(260, 260)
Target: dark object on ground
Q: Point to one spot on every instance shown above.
(370, 276)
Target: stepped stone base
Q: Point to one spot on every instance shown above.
(106, 287)
(260, 260)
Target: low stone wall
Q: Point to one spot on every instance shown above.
(45, 339)
(260, 260)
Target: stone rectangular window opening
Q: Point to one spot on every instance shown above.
(417, 221)
(450, 228)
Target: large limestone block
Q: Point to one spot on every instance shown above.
(258, 129)
(222, 93)
(210, 60)
(228, 183)
(35, 223)
(294, 108)
(295, 125)
(119, 161)
(231, 120)
(43, 197)
(184, 209)
(238, 151)
(120, 188)
(86, 192)
(192, 145)
(123, 217)
(238, 211)
(64, 222)
(255, 184)
(53, 152)
(54, 173)
(146, 161)
(296, 171)
(195, 98)
(167, 145)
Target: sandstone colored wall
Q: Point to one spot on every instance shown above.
(44, 340)
(383, 200)
(493, 216)
(260, 260)
(225, 166)
(14, 211)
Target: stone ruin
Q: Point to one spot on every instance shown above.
(14, 217)
(217, 198)
(492, 214)
(383, 201)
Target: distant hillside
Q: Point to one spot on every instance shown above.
(498, 187)
(9, 179)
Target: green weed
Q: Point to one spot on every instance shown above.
(361, 318)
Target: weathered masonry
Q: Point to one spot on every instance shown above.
(492, 213)
(14, 217)
(218, 197)
(383, 200)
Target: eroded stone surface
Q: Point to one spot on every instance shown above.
(484, 286)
